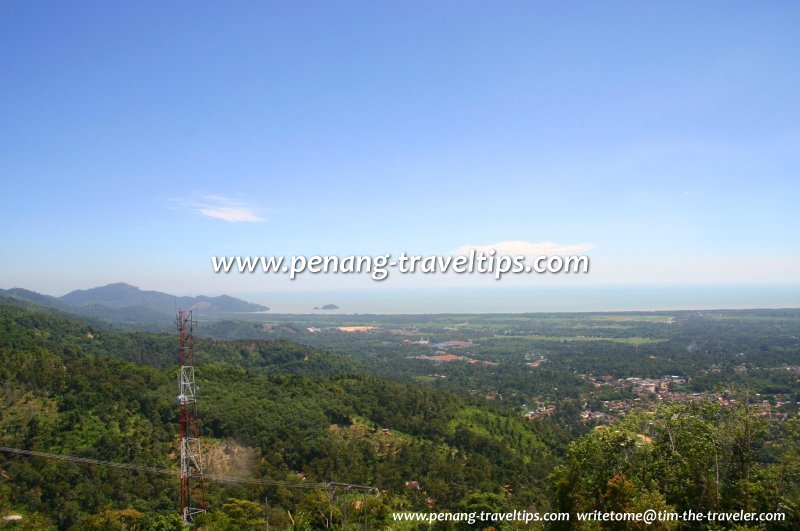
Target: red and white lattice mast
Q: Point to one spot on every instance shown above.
(192, 482)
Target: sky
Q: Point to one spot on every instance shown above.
(138, 139)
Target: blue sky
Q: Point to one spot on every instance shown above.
(665, 135)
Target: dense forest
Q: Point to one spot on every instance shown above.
(66, 389)
(298, 415)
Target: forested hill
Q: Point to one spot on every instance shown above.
(69, 388)
(62, 333)
(125, 304)
(121, 295)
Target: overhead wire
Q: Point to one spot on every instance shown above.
(221, 478)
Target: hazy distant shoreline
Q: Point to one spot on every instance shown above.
(544, 299)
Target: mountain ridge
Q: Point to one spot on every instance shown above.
(120, 300)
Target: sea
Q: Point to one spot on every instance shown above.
(501, 299)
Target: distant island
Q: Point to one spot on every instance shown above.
(330, 307)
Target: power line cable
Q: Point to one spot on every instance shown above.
(221, 478)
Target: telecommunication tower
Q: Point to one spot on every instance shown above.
(192, 481)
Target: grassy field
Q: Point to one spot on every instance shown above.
(623, 340)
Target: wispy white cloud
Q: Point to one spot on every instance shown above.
(224, 208)
(234, 214)
(523, 248)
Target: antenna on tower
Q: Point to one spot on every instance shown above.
(192, 481)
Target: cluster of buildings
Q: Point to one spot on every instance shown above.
(639, 386)
(540, 412)
(667, 389)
